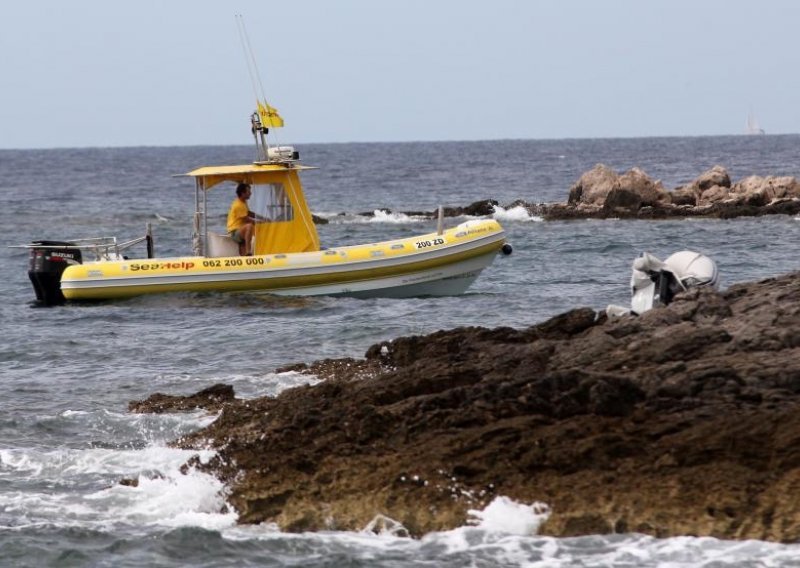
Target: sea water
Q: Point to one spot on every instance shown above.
(68, 372)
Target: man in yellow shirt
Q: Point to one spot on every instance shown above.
(241, 220)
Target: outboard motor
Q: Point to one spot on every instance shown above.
(48, 260)
(655, 283)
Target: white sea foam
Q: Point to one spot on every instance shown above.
(244, 386)
(19, 461)
(80, 486)
(514, 214)
(26, 508)
(383, 525)
(72, 413)
(480, 547)
(379, 216)
(174, 499)
(59, 465)
(269, 384)
(507, 516)
(503, 534)
(84, 489)
(130, 429)
(328, 215)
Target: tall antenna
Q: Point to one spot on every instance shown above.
(265, 115)
(250, 59)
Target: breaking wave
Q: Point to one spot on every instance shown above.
(514, 214)
(377, 216)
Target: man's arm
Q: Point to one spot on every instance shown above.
(257, 217)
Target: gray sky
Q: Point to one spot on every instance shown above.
(172, 72)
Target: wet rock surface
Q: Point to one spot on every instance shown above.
(210, 399)
(683, 421)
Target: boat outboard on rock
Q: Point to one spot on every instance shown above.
(654, 282)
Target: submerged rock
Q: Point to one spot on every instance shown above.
(683, 421)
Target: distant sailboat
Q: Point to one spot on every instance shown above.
(752, 126)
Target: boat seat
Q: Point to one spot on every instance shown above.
(221, 245)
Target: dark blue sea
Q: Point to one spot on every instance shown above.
(68, 372)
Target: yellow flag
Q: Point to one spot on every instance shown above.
(269, 116)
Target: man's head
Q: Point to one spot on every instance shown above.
(243, 190)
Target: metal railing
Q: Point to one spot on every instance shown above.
(97, 248)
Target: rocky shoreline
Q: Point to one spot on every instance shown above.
(602, 193)
(682, 421)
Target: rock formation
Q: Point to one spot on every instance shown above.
(211, 399)
(683, 421)
(603, 193)
(601, 187)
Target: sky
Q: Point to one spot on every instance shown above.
(101, 73)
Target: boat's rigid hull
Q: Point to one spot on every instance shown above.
(424, 265)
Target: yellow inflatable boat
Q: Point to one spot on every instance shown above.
(287, 258)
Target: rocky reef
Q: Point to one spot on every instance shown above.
(682, 421)
(602, 193)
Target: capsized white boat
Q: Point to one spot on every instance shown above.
(287, 259)
(655, 282)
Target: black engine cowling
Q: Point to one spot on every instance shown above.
(48, 260)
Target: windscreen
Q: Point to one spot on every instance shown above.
(271, 201)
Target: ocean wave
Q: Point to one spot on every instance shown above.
(504, 534)
(81, 488)
(268, 384)
(517, 213)
(379, 216)
(508, 516)
(59, 465)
